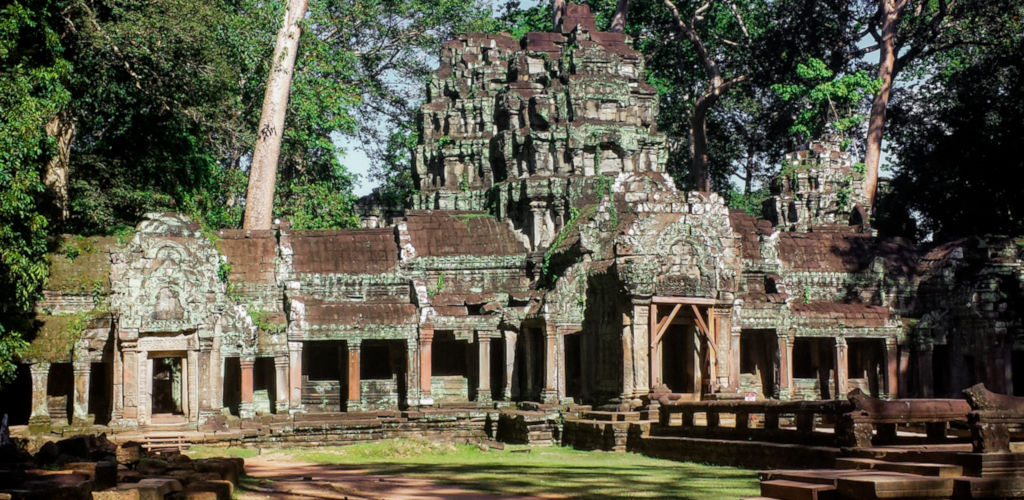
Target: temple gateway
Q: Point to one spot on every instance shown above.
(548, 258)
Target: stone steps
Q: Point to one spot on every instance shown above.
(853, 484)
(918, 468)
(786, 489)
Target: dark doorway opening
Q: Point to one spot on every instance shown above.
(232, 385)
(1017, 367)
(101, 383)
(60, 391)
(813, 366)
(168, 385)
(324, 375)
(678, 358)
(865, 365)
(573, 366)
(941, 370)
(264, 385)
(759, 352)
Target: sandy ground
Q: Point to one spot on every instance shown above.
(285, 479)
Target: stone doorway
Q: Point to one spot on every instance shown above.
(813, 368)
(169, 386)
(679, 361)
(866, 365)
(1017, 368)
(529, 364)
(759, 352)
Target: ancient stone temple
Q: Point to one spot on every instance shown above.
(548, 258)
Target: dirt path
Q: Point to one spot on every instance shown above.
(281, 479)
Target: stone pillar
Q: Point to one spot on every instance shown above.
(80, 406)
(281, 382)
(734, 361)
(295, 375)
(654, 354)
(117, 389)
(40, 378)
(190, 377)
(550, 392)
(627, 357)
(892, 364)
(726, 359)
(841, 368)
(130, 379)
(539, 211)
(354, 400)
(785, 366)
(426, 358)
(641, 342)
(145, 381)
(245, 408)
(412, 372)
(511, 381)
(483, 388)
(560, 373)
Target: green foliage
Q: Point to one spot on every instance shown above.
(956, 144)
(261, 319)
(752, 203)
(570, 225)
(827, 103)
(438, 287)
(317, 205)
(223, 271)
(33, 75)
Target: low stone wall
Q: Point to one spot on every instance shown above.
(595, 435)
(749, 454)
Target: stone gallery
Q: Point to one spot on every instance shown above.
(548, 258)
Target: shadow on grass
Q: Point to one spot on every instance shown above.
(688, 481)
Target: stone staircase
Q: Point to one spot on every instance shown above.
(871, 478)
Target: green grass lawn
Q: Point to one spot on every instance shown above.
(549, 471)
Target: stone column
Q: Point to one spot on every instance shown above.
(483, 389)
(412, 372)
(734, 361)
(281, 381)
(191, 381)
(426, 358)
(117, 389)
(841, 368)
(892, 364)
(539, 210)
(245, 408)
(654, 356)
(295, 375)
(785, 366)
(80, 406)
(560, 373)
(354, 400)
(627, 357)
(130, 381)
(726, 359)
(641, 342)
(511, 381)
(145, 381)
(40, 377)
(550, 392)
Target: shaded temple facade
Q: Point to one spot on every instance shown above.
(548, 257)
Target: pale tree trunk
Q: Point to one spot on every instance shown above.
(886, 69)
(259, 200)
(55, 177)
(699, 150)
(619, 21)
(557, 13)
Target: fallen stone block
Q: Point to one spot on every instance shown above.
(230, 469)
(209, 490)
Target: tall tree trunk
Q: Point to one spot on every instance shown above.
(55, 177)
(886, 70)
(699, 149)
(259, 200)
(557, 13)
(621, 13)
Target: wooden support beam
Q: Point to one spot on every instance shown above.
(663, 324)
(702, 327)
(684, 300)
